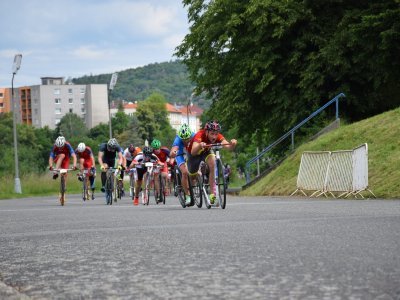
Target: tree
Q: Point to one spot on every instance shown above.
(153, 120)
(71, 126)
(275, 62)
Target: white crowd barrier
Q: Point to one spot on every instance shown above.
(336, 173)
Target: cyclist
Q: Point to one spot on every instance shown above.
(106, 157)
(86, 161)
(162, 153)
(60, 155)
(179, 147)
(198, 151)
(129, 154)
(146, 156)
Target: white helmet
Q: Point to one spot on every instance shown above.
(81, 147)
(60, 141)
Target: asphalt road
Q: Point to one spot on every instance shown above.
(257, 248)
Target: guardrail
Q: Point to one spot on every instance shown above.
(291, 133)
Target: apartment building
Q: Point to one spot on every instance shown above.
(45, 104)
(5, 100)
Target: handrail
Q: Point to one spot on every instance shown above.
(291, 132)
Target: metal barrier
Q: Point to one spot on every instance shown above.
(326, 173)
(291, 133)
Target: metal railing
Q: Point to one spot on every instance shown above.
(291, 133)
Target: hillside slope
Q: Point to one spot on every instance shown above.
(381, 132)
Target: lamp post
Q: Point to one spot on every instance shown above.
(187, 107)
(113, 82)
(15, 68)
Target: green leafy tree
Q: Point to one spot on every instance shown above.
(153, 120)
(275, 62)
(71, 126)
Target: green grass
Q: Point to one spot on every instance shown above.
(381, 133)
(39, 185)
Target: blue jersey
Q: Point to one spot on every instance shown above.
(178, 142)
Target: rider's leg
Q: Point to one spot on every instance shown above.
(210, 160)
(185, 178)
(103, 178)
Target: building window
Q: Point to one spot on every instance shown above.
(58, 110)
(1, 105)
(57, 121)
(35, 101)
(36, 111)
(70, 110)
(1, 95)
(70, 91)
(70, 101)
(82, 90)
(57, 101)
(83, 110)
(57, 91)
(82, 100)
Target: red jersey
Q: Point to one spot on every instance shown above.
(163, 155)
(200, 136)
(86, 154)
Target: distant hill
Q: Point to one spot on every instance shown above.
(171, 79)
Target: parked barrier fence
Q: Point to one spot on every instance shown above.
(336, 173)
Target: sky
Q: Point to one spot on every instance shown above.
(73, 38)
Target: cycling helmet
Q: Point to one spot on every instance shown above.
(184, 132)
(60, 141)
(81, 147)
(147, 151)
(112, 144)
(156, 144)
(213, 126)
(131, 148)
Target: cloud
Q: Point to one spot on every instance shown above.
(74, 38)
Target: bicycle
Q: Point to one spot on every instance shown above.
(118, 184)
(161, 184)
(109, 185)
(220, 179)
(87, 193)
(132, 180)
(196, 188)
(147, 185)
(63, 174)
(178, 188)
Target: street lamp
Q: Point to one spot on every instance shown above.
(15, 68)
(187, 107)
(113, 82)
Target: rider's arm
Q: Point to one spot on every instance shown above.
(197, 147)
(229, 145)
(93, 160)
(174, 151)
(120, 158)
(74, 159)
(100, 158)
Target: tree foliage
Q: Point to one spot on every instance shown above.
(275, 62)
(153, 120)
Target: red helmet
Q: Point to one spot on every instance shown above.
(213, 126)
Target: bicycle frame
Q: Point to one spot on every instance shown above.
(63, 174)
(109, 185)
(220, 180)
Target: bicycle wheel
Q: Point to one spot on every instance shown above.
(147, 190)
(62, 190)
(198, 191)
(162, 189)
(179, 192)
(116, 191)
(205, 188)
(132, 186)
(85, 188)
(109, 188)
(221, 184)
(191, 192)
